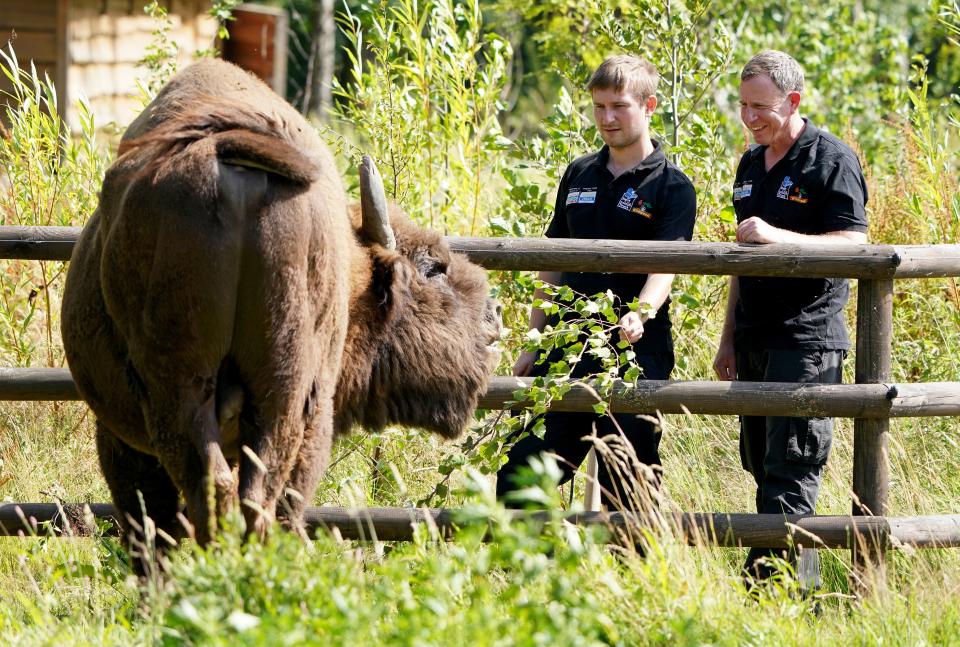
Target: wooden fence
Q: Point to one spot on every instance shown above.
(871, 401)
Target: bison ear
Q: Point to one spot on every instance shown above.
(390, 284)
(373, 206)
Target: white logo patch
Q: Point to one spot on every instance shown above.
(573, 196)
(742, 191)
(588, 197)
(784, 191)
(626, 201)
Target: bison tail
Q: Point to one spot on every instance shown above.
(265, 153)
(243, 136)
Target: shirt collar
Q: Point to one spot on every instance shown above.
(651, 161)
(807, 136)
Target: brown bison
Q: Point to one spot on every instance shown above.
(225, 307)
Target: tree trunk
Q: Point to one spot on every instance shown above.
(319, 94)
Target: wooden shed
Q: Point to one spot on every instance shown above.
(37, 30)
(258, 43)
(91, 47)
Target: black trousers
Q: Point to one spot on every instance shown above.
(786, 456)
(565, 431)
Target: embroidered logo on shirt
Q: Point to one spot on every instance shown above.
(644, 209)
(798, 195)
(573, 196)
(587, 196)
(626, 201)
(784, 189)
(742, 191)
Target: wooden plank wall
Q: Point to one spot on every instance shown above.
(92, 48)
(33, 27)
(106, 40)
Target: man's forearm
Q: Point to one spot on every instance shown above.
(829, 238)
(757, 230)
(656, 290)
(730, 317)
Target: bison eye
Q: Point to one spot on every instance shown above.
(436, 269)
(431, 267)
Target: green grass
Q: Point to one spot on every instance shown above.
(558, 587)
(563, 587)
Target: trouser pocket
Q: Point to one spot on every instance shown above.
(809, 440)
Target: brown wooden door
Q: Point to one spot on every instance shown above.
(258, 43)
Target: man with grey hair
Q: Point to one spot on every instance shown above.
(798, 185)
(627, 190)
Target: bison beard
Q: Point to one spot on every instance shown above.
(226, 308)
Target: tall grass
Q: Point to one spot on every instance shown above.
(530, 584)
(48, 177)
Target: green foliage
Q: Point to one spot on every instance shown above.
(162, 53)
(934, 35)
(423, 98)
(46, 173)
(586, 327)
(222, 12)
(160, 59)
(933, 197)
(928, 206)
(949, 15)
(537, 581)
(424, 592)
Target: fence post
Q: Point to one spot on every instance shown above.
(871, 466)
(591, 491)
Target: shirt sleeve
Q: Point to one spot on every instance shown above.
(845, 198)
(738, 205)
(558, 227)
(677, 212)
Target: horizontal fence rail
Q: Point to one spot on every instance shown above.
(737, 259)
(752, 398)
(397, 524)
(38, 243)
(631, 256)
(707, 397)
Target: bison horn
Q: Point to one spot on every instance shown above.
(373, 205)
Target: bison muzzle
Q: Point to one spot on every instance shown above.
(227, 312)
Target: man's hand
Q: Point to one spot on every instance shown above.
(631, 327)
(757, 230)
(524, 364)
(725, 362)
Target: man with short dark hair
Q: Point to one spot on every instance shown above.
(627, 190)
(798, 185)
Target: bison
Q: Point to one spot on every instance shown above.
(227, 313)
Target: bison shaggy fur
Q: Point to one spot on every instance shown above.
(227, 312)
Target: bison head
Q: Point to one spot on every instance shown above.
(423, 336)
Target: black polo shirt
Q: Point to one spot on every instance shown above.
(652, 201)
(818, 187)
